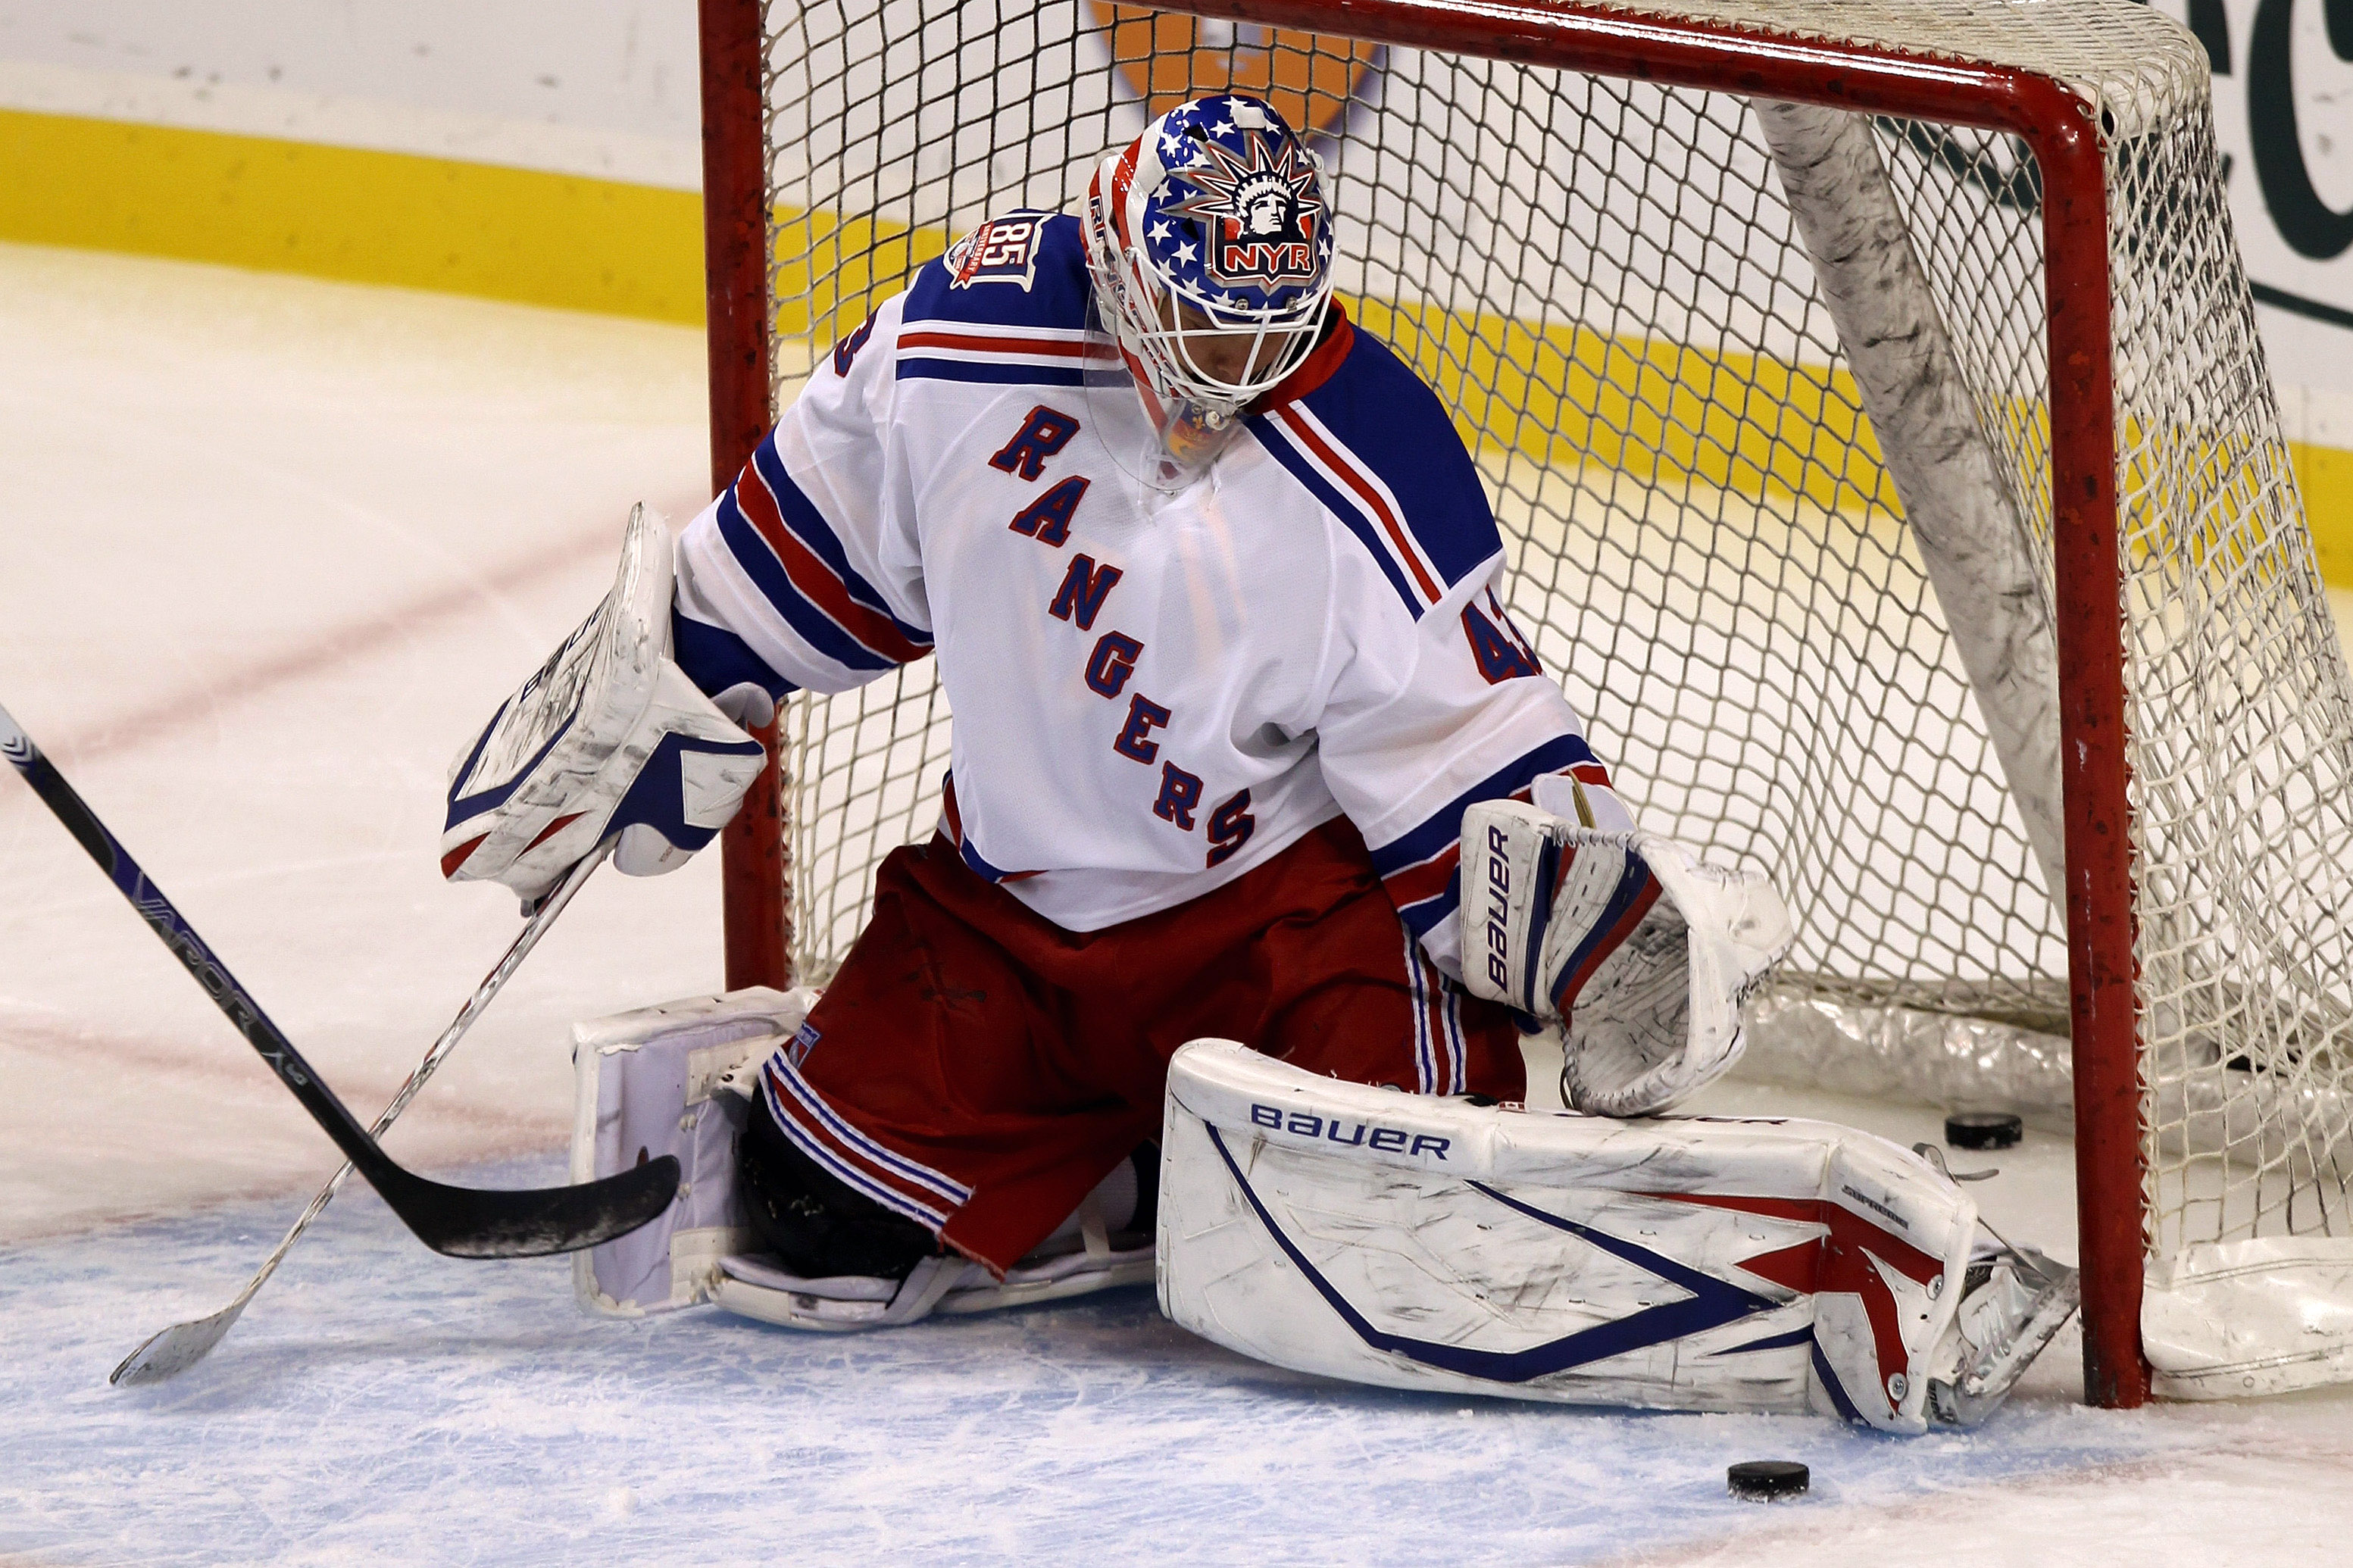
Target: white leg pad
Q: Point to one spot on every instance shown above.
(648, 1083)
(1700, 1264)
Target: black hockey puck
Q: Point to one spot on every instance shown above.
(1766, 1481)
(1983, 1130)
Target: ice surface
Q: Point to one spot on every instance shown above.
(268, 548)
(269, 551)
(382, 1404)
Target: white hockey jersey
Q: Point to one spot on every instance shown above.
(1153, 693)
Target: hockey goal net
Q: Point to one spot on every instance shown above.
(1871, 398)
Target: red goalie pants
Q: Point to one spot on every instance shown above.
(977, 1067)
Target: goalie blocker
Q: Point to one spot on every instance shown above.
(1429, 1243)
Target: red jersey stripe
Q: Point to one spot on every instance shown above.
(1355, 481)
(1052, 348)
(815, 580)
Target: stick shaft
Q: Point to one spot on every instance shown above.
(462, 1221)
(493, 983)
(173, 928)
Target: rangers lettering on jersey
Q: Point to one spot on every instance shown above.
(1231, 826)
(1191, 681)
(1180, 791)
(1084, 588)
(1044, 432)
(1112, 661)
(1047, 519)
(1143, 716)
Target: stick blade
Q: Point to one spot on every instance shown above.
(472, 1222)
(462, 1221)
(176, 1349)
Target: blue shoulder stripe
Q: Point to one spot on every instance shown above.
(715, 658)
(1393, 424)
(916, 369)
(809, 526)
(817, 628)
(1283, 450)
(1444, 825)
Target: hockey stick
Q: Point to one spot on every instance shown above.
(463, 1222)
(180, 1346)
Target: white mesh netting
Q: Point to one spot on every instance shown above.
(1602, 278)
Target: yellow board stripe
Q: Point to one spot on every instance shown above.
(2324, 475)
(1656, 412)
(360, 216)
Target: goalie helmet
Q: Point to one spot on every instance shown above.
(1211, 230)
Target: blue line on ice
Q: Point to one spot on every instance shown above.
(379, 1403)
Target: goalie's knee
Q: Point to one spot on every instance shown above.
(815, 1224)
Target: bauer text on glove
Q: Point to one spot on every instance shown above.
(1644, 952)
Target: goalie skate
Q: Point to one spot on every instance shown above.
(1079, 1259)
(2014, 1302)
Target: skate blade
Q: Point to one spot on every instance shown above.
(1986, 1382)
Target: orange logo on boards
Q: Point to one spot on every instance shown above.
(1167, 58)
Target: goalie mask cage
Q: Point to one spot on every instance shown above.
(1870, 397)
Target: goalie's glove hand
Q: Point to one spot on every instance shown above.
(609, 738)
(1644, 952)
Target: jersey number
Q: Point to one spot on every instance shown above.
(1496, 643)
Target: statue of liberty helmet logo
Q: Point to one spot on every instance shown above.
(1259, 200)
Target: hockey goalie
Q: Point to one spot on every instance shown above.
(1265, 837)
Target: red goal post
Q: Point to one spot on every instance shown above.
(1802, 52)
(758, 933)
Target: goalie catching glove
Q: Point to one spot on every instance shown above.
(609, 738)
(1644, 952)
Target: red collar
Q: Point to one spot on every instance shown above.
(1339, 337)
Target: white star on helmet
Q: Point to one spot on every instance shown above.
(1186, 251)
